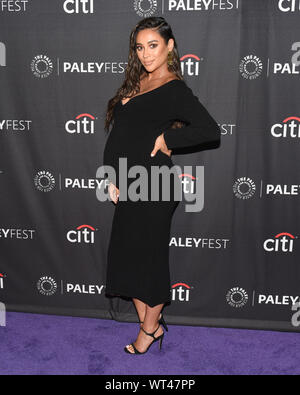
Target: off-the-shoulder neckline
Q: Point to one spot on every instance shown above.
(152, 90)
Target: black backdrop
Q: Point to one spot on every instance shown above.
(233, 264)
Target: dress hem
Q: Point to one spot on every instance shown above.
(143, 299)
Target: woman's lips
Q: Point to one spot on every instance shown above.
(148, 64)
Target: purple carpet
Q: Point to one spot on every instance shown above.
(33, 344)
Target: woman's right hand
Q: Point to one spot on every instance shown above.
(113, 192)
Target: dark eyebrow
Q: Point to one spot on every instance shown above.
(148, 42)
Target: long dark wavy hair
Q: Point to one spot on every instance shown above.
(134, 69)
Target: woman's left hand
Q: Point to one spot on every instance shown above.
(160, 144)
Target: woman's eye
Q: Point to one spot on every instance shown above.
(151, 46)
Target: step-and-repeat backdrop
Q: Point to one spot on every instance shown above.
(235, 263)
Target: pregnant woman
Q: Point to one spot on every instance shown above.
(151, 101)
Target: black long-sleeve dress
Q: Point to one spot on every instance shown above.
(138, 252)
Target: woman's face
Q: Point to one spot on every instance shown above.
(151, 49)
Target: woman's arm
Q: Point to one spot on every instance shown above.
(201, 126)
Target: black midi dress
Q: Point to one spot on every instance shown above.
(138, 251)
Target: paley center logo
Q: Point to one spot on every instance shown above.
(288, 128)
(237, 297)
(41, 66)
(282, 242)
(289, 5)
(47, 286)
(244, 188)
(251, 67)
(142, 11)
(44, 181)
(181, 292)
(82, 124)
(82, 234)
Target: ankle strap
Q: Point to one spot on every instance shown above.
(151, 334)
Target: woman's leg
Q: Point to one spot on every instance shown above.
(150, 324)
(140, 308)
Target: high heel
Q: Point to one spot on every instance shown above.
(160, 338)
(161, 321)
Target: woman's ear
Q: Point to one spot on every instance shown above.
(171, 44)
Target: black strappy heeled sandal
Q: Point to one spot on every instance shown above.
(160, 338)
(161, 321)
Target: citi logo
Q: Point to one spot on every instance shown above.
(193, 187)
(79, 6)
(83, 124)
(190, 64)
(283, 242)
(289, 128)
(289, 5)
(181, 292)
(2, 55)
(188, 183)
(1, 281)
(82, 234)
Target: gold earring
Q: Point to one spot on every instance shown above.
(170, 58)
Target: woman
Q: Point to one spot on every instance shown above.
(143, 111)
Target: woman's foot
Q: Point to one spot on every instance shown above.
(143, 340)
